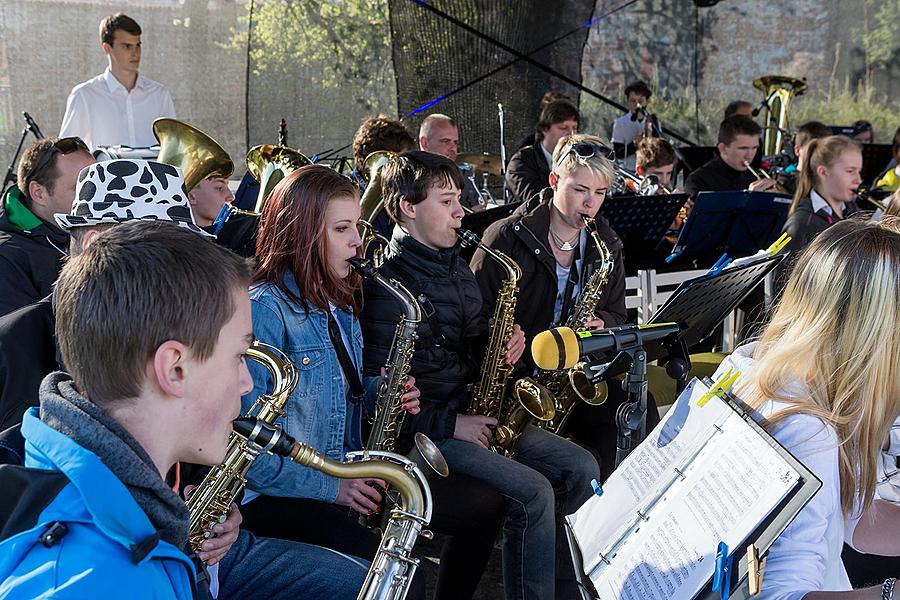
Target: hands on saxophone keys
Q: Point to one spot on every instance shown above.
(516, 346)
(222, 536)
(477, 429)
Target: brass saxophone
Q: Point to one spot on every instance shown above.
(392, 570)
(489, 398)
(566, 386)
(210, 501)
(393, 567)
(389, 415)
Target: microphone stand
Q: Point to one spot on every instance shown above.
(32, 127)
(502, 151)
(631, 416)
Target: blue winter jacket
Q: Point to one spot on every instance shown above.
(319, 411)
(106, 546)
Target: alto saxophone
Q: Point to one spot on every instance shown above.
(389, 414)
(393, 567)
(489, 398)
(566, 386)
(210, 501)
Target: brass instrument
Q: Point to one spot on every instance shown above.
(372, 203)
(210, 501)
(864, 193)
(389, 415)
(627, 182)
(762, 174)
(370, 236)
(269, 164)
(489, 397)
(393, 567)
(567, 386)
(780, 91)
(194, 152)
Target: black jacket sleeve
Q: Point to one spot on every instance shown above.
(524, 175)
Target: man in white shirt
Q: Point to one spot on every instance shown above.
(628, 129)
(119, 106)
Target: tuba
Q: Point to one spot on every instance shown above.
(780, 91)
(567, 386)
(194, 152)
(392, 570)
(372, 203)
(489, 397)
(269, 164)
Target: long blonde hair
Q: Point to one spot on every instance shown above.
(836, 331)
(818, 153)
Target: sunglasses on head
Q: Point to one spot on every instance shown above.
(586, 150)
(62, 146)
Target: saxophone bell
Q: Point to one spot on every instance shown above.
(594, 394)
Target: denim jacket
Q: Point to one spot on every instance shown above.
(319, 411)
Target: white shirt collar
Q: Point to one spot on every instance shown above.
(819, 203)
(114, 84)
(547, 155)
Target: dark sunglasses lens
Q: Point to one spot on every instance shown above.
(583, 150)
(71, 144)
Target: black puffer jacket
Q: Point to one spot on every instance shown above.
(31, 254)
(523, 237)
(443, 372)
(527, 172)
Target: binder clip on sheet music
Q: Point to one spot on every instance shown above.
(707, 479)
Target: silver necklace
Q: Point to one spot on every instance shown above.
(564, 245)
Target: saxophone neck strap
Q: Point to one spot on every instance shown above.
(568, 299)
(350, 373)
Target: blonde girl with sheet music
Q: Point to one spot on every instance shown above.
(823, 380)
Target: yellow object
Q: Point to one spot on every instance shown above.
(720, 387)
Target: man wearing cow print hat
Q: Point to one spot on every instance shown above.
(126, 190)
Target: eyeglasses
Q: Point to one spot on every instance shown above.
(586, 150)
(62, 146)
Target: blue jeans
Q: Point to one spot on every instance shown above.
(257, 567)
(549, 478)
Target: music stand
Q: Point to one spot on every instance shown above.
(738, 223)
(699, 305)
(696, 156)
(477, 222)
(875, 158)
(641, 222)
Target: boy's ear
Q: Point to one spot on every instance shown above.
(169, 368)
(553, 179)
(407, 209)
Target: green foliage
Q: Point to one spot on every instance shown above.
(333, 44)
(842, 104)
(878, 36)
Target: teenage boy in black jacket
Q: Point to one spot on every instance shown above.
(550, 476)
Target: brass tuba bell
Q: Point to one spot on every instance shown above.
(194, 152)
(372, 202)
(269, 164)
(780, 91)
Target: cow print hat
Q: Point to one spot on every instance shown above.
(122, 190)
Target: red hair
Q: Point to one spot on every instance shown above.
(292, 239)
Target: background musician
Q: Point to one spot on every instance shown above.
(109, 433)
(829, 178)
(738, 143)
(528, 169)
(863, 132)
(739, 107)
(656, 156)
(629, 129)
(811, 130)
(119, 106)
(547, 238)
(421, 191)
(439, 134)
(32, 246)
(890, 179)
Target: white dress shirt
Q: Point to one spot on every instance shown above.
(103, 113)
(806, 557)
(625, 131)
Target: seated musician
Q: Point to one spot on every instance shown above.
(738, 143)
(236, 561)
(739, 107)
(305, 301)
(551, 96)
(656, 157)
(822, 379)
(528, 169)
(811, 130)
(826, 189)
(550, 476)
(547, 238)
(890, 180)
(439, 134)
(628, 130)
(374, 134)
(863, 132)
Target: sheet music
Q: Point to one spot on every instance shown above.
(731, 481)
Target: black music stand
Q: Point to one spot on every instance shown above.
(699, 305)
(641, 222)
(738, 223)
(875, 158)
(477, 222)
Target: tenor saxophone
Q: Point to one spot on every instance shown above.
(567, 386)
(490, 398)
(393, 567)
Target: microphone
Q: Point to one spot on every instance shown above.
(32, 125)
(560, 348)
(640, 110)
(759, 108)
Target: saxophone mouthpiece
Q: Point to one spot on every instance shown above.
(468, 238)
(363, 266)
